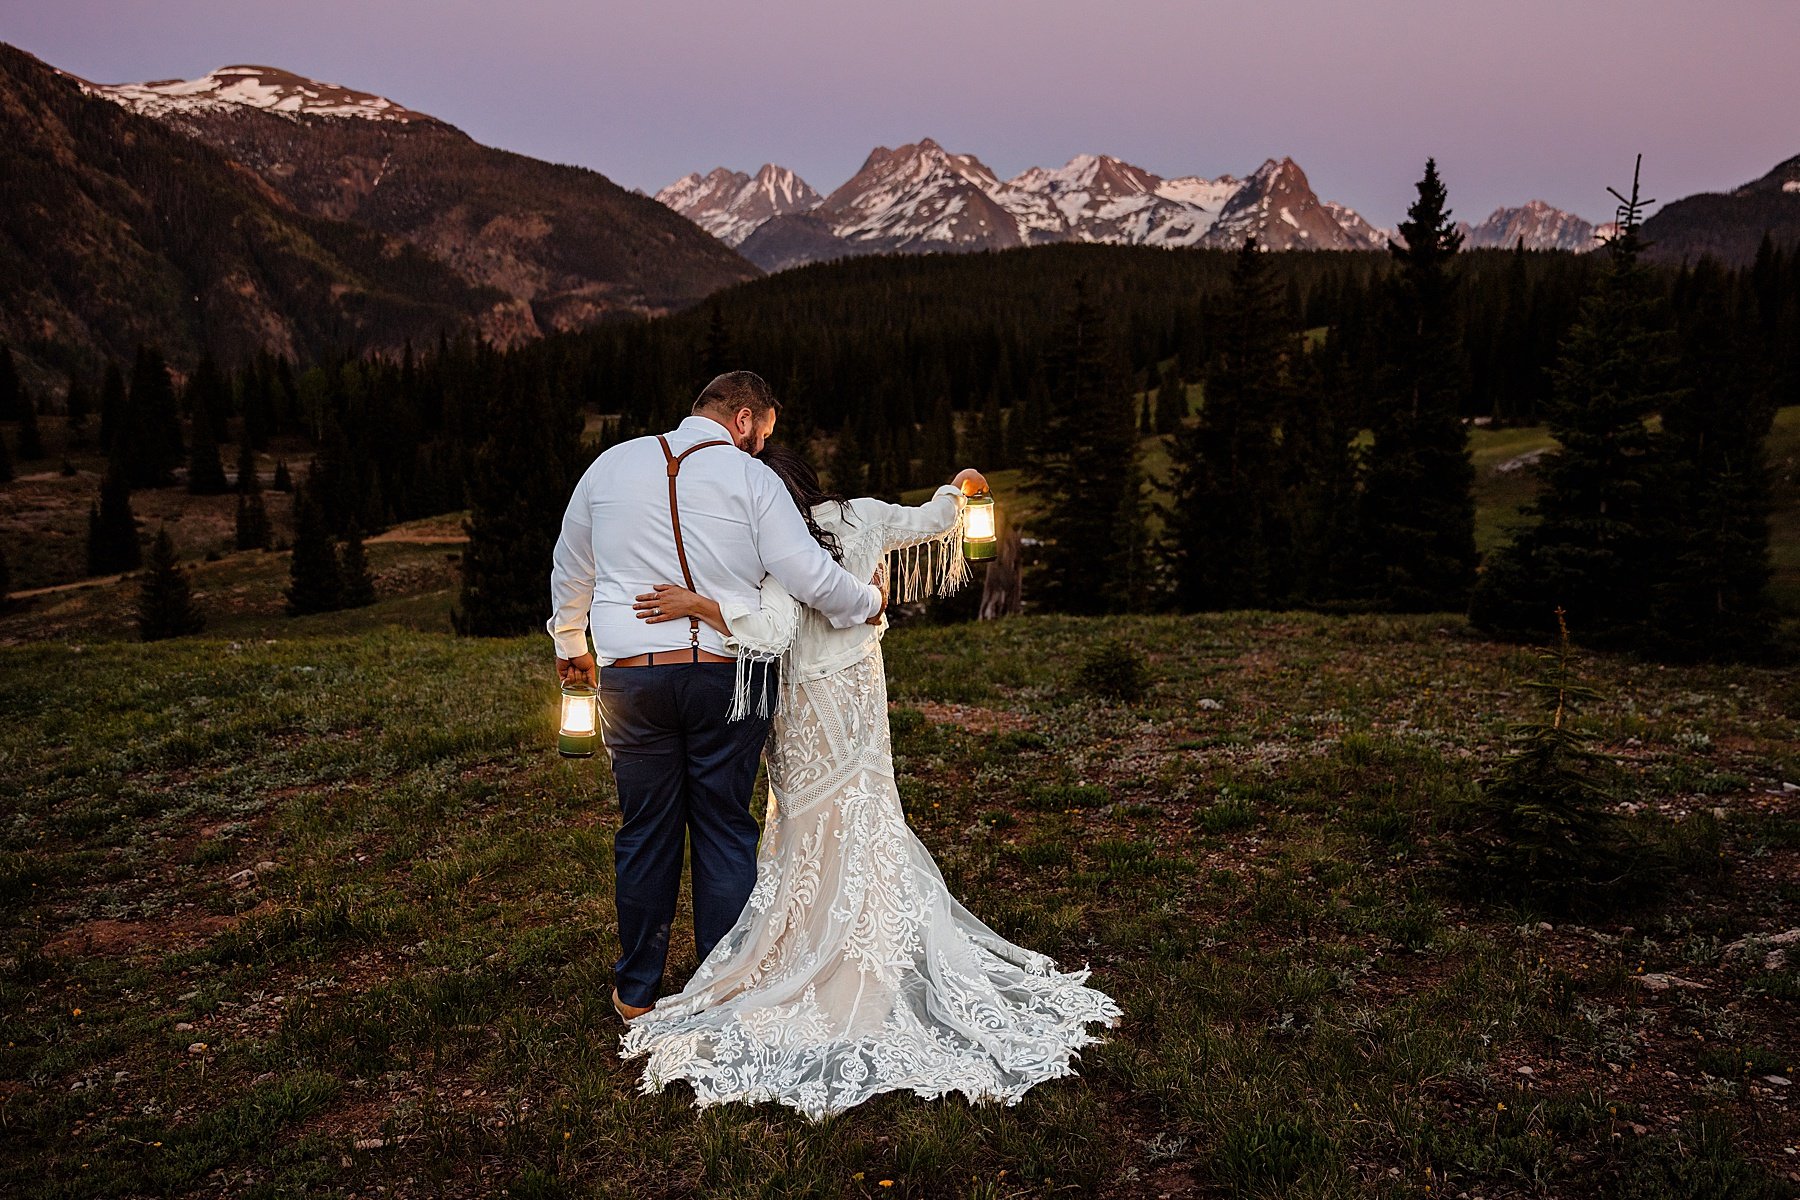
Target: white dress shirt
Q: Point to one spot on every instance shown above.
(737, 522)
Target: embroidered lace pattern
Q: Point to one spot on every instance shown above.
(853, 970)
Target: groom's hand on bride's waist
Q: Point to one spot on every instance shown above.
(579, 669)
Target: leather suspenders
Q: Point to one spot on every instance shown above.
(687, 577)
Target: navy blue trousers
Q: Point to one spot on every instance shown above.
(684, 775)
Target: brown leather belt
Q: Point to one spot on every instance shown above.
(668, 658)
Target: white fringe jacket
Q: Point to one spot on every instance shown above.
(924, 543)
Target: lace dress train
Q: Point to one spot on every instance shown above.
(853, 970)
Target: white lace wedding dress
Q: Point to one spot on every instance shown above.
(853, 970)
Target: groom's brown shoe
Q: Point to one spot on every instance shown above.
(627, 1012)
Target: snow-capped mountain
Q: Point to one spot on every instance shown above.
(1277, 207)
(1539, 225)
(730, 205)
(266, 88)
(921, 197)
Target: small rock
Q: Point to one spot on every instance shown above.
(344, 1161)
(1526, 1071)
(265, 866)
(1546, 926)
(1790, 787)
(197, 1048)
(1209, 704)
(1656, 981)
(183, 1026)
(367, 1144)
(1777, 1080)
(193, 995)
(243, 878)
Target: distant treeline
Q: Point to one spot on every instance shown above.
(895, 369)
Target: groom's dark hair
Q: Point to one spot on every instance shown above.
(738, 389)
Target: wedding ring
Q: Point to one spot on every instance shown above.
(656, 612)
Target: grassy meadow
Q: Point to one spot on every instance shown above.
(314, 908)
(311, 907)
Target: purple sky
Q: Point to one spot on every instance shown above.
(1517, 99)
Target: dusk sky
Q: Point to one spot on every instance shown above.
(1517, 99)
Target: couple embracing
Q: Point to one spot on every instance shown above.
(834, 962)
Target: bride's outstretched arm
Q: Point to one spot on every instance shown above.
(767, 629)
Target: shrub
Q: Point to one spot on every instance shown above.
(1115, 670)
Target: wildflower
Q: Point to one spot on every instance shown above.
(885, 1182)
(1500, 1107)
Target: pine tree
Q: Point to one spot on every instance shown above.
(12, 392)
(77, 406)
(1082, 467)
(31, 440)
(1171, 402)
(1600, 537)
(716, 356)
(1227, 519)
(1418, 510)
(208, 397)
(315, 583)
(519, 487)
(1712, 599)
(165, 607)
(849, 468)
(253, 528)
(113, 405)
(206, 474)
(112, 541)
(1543, 829)
(283, 482)
(353, 569)
(248, 482)
(150, 448)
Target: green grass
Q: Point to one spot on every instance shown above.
(420, 954)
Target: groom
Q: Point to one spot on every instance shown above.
(690, 506)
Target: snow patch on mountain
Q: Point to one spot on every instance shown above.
(268, 89)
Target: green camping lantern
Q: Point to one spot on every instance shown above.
(979, 541)
(578, 733)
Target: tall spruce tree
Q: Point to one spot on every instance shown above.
(1712, 600)
(113, 406)
(77, 406)
(12, 392)
(206, 473)
(519, 488)
(353, 569)
(253, 531)
(112, 540)
(1171, 401)
(1082, 468)
(150, 447)
(1418, 497)
(1598, 543)
(31, 439)
(1227, 522)
(165, 606)
(315, 583)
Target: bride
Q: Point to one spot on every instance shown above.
(852, 970)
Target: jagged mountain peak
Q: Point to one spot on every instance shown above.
(730, 204)
(247, 85)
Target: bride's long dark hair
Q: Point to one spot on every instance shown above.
(804, 486)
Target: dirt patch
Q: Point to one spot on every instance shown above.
(971, 717)
(109, 938)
